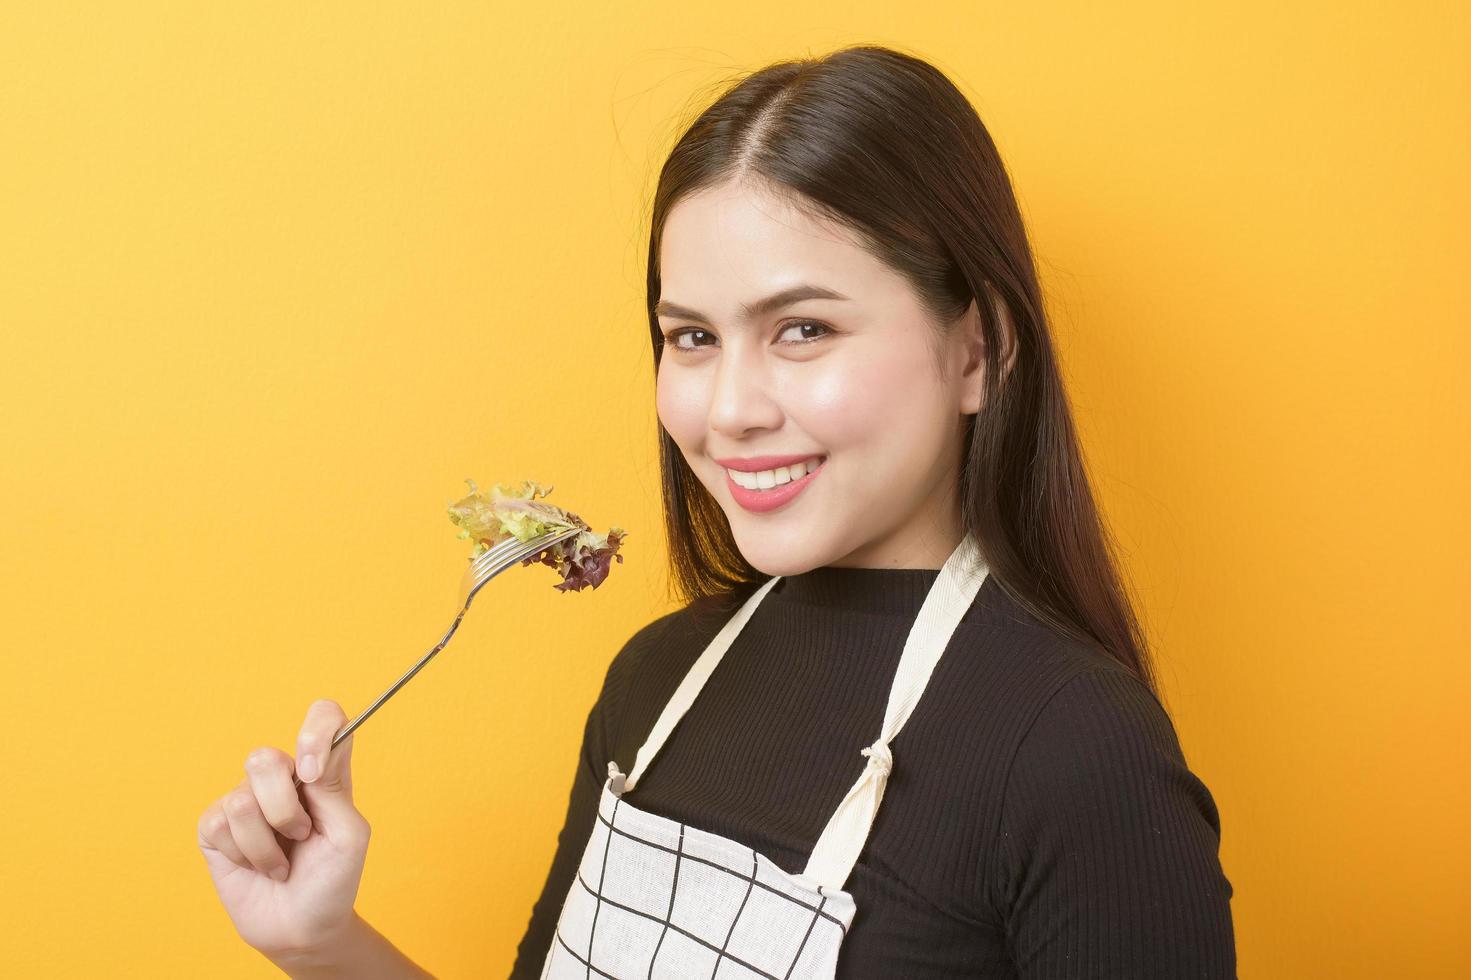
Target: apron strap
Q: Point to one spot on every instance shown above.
(847, 830)
(688, 689)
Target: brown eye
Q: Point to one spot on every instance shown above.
(798, 325)
(688, 331)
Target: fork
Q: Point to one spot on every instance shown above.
(490, 564)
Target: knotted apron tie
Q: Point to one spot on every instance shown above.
(834, 854)
(847, 830)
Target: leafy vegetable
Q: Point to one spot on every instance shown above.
(489, 517)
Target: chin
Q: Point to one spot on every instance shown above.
(769, 554)
(782, 568)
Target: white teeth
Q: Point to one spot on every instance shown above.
(766, 479)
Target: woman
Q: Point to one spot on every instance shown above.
(904, 724)
(839, 282)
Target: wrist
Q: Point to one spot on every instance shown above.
(357, 951)
(327, 954)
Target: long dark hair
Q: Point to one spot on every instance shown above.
(884, 143)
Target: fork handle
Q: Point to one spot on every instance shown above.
(352, 726)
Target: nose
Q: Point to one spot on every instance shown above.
(741, 400)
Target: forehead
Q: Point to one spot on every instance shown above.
(732, 243)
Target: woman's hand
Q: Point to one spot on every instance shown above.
(287, 865)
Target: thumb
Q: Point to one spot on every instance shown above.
(329, 796)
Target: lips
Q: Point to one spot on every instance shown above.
(763, 501)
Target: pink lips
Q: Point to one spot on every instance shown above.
(761, 501)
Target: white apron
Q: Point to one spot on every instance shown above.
(654, 897)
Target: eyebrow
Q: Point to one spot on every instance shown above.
(752, 310)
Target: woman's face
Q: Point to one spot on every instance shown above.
(853, 382)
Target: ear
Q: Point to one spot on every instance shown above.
(971, 339)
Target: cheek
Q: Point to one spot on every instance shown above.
(679, 402)
(857, 400)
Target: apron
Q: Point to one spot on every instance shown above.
(654, 897)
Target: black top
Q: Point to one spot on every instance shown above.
(1040, 820)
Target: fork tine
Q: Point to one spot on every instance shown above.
(493, 555)
(495, 551)
(502, 551)
(479, 573)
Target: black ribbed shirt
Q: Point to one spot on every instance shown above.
(1040, 820)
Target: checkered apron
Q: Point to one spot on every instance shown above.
(654, 897)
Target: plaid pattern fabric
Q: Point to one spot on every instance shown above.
(657, 898)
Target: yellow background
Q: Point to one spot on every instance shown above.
(276, 278)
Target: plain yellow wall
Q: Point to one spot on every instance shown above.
(276, 278)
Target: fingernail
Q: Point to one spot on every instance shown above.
(308, 768)
(280, 873)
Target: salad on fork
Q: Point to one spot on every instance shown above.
(506, 511)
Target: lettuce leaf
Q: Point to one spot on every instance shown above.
(489, 517)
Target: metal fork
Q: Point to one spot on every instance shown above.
(490, 564)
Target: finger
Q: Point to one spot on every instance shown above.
(337, 780)
(269, 771)
(214, 832)
(254, 836)
(324, 719)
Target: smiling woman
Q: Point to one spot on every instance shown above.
(840, 359)
(871, 481)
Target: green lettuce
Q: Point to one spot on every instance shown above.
(489, 517)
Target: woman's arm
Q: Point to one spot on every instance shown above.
(1109, 844)
(361, 953)
(598, 736)
(577, 826)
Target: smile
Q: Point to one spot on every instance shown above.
(766, 490)
(767, 479)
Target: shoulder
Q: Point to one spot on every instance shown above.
(666, 641)
(660, 653)
(1086, 718)
(1101, 752)
(1076, 721)
(998, 620)
(1100, 714)
(643, 642)
(647, 668)
(1004, 657)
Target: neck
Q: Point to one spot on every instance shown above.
(878, 590)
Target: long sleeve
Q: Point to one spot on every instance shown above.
(576, 827)
(1109, 844)
(587, 785)
(599, 733)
